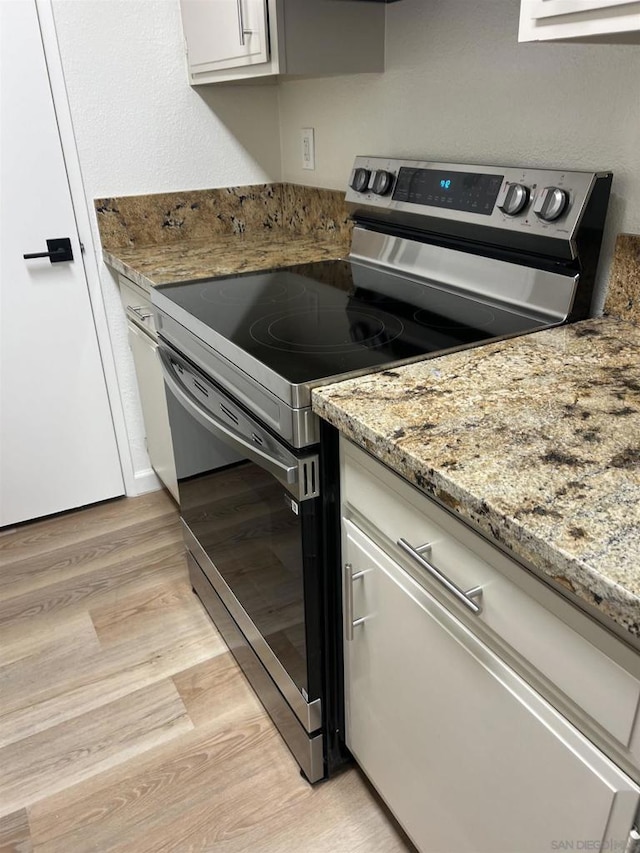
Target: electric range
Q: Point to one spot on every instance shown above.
(443, 256)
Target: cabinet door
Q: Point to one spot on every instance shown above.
(154, 407)
(468, 757)
(553, 8)
(548, 20)
(225, 33)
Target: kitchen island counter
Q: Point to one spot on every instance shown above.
(534, 441)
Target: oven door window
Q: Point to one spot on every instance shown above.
(251, 529)
(240, 500)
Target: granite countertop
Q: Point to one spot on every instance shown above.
(535, 441)
(195, 234)
(221, 255)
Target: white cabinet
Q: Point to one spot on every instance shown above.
(225, 34)
(229, 40)
(468, 754)
(142, 340)
(601, 20)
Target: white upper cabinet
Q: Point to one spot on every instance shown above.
(224, 34)
(230, 40)
(598, 20)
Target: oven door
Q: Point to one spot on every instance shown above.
(252, 524)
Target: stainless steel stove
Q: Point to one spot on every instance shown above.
(443, 257)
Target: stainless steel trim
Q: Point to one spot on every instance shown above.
(234, 368)
(286, 469)
(546, 296)
(309, 713)
(307, 749)
(260, 389)
(309, 478)
(464, 597)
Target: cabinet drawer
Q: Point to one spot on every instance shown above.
(575, 659)
(137, 304)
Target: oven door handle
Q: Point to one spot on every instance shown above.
(285, 473)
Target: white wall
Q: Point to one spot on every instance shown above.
(140, 128)
(459, 87)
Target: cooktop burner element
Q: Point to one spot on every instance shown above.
(256, 291)
(326, 330)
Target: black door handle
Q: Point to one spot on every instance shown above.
(59, 250)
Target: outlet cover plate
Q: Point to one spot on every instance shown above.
(308, 148)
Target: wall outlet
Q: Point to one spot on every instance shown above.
(308, 148)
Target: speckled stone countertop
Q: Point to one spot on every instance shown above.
(221, 255)
(181, 236)
(535, 441)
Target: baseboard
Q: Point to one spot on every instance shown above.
(146, 481)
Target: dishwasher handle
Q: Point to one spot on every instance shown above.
(464, 597)
(287, 473)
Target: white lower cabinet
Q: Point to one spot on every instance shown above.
(142, 340)
(468, 756)
(154, 407)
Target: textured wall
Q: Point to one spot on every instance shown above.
(458, 86)
(140, 128)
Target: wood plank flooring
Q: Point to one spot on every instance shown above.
(126, 725)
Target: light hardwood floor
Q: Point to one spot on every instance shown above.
(126, 725)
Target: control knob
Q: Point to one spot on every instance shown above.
(382, 182)
(551, 203)
(515, 200)
(360, 180)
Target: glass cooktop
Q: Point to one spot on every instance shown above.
(318, 320)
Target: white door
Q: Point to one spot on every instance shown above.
(57, 441)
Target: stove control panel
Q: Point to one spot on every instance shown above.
(551, 203)
(379, 182)
(542, 202)
(513, 198)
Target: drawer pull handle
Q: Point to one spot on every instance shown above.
(464, 597)
(349, 622)
(140, 312)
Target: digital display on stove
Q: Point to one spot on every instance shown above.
(468, 191)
